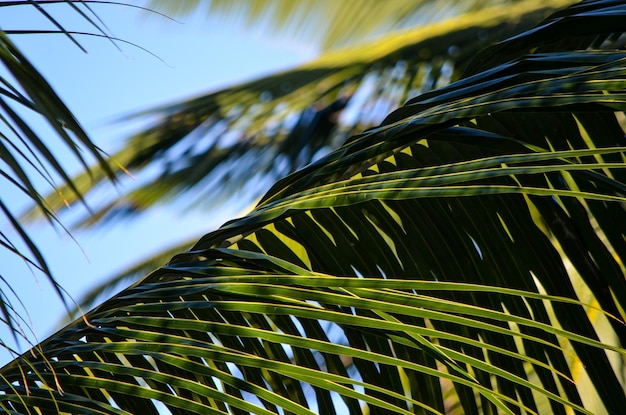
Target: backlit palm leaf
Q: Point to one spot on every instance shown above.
(26, 159)
(282, 122)
(287, 128)
(327, 24)
(463, 257)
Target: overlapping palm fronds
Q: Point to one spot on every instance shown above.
(326, 24)
(465, 256)
(195, 149)
(27, 161)
(284, 121)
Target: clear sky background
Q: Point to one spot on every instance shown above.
(198, 54)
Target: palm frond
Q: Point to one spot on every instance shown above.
(110, 284)
(282, 122)
(325, 24)
(27, 160)
(463, 257)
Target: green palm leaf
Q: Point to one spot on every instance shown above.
(27, 160)
(465, 256)
(327, 24)
(284, 121)
(277, 151)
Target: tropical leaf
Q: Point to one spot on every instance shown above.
(27, 159)
(326, 24)
(282, 122)
(317, 130)
(434, 264)
(123, 278)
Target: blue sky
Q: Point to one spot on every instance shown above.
(197, 55)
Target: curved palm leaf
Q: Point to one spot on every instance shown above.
(327, 23)
(278, 150)
(434, 264)
(126, 276)
(282, 122)
(26, 96)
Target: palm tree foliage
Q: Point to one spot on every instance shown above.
(464, 256)
(26, 158)
(326, 23)
(281, 122)
(284, 121)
